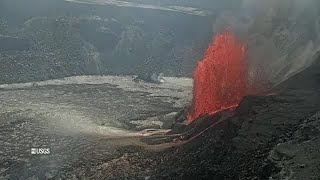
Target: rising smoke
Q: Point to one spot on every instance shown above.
(282, 36)
(282, 39)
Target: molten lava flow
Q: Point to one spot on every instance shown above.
(220, 78)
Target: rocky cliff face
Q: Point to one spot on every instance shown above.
(145, 37)
(75, 39)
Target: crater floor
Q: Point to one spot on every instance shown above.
(82, 119)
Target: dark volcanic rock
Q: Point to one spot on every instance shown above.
(182, 115)
(299, 158)
(168, 120)
(8, 43)
(239, 147)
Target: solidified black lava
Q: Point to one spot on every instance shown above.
(241, 147)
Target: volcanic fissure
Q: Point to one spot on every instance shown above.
(220, 78)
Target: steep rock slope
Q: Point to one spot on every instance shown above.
(266, 138)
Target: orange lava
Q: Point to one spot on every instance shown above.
(220, 78)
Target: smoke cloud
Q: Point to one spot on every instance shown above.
(283, 37)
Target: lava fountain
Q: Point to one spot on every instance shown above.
(220, 78)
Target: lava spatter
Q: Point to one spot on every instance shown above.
(220, 78)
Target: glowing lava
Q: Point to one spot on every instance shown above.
(220, 78)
